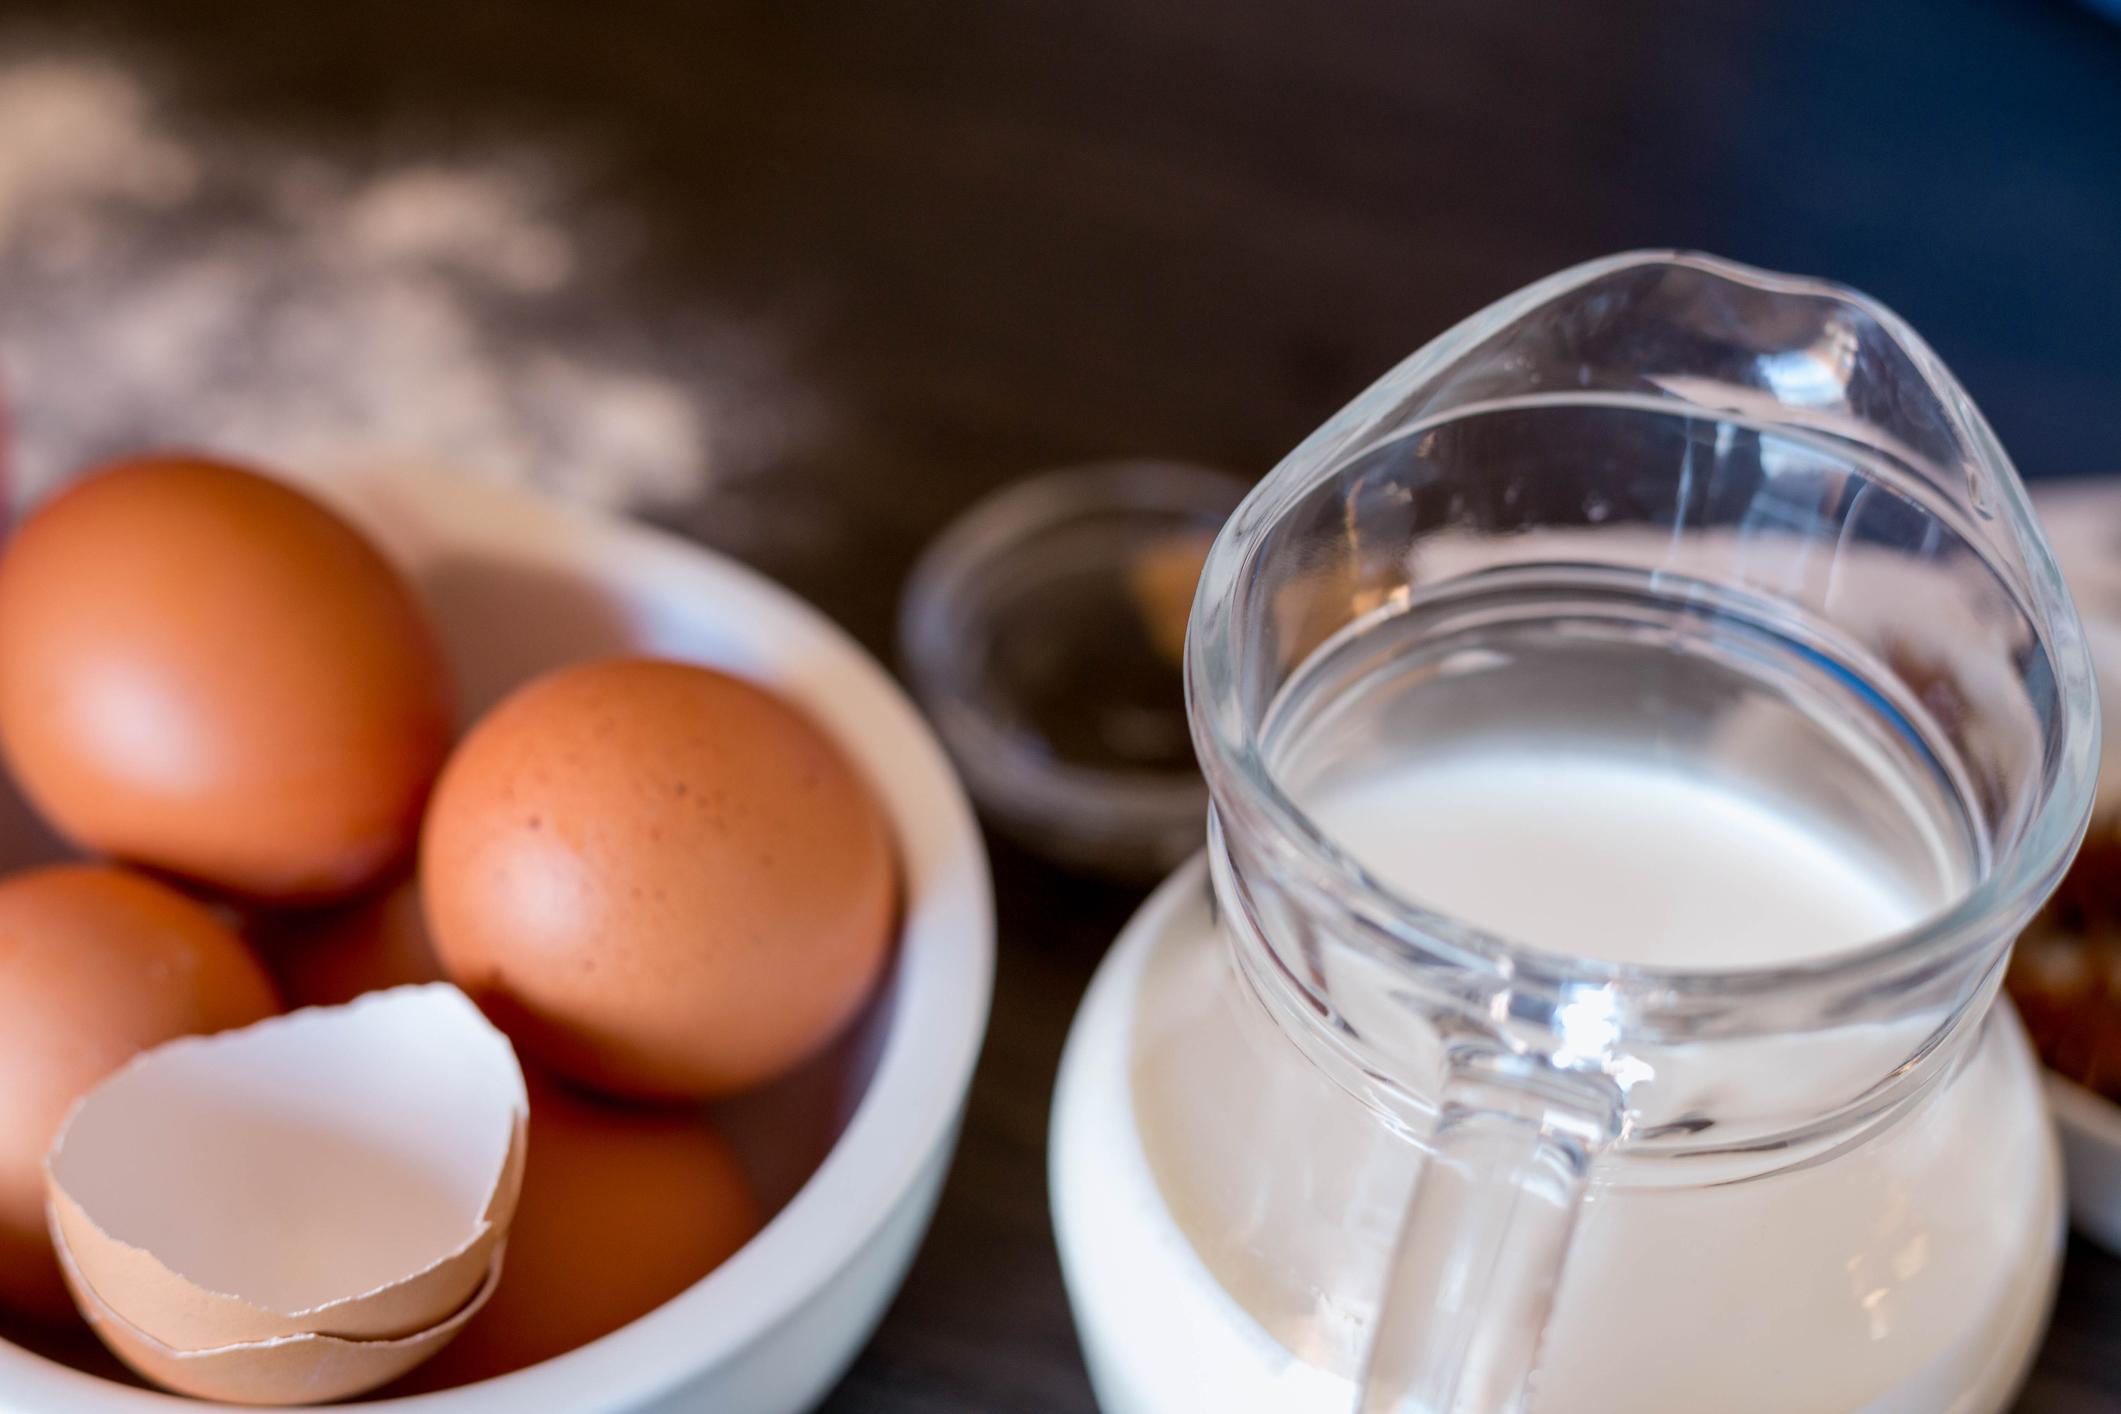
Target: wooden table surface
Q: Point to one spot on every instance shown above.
(1005, 236)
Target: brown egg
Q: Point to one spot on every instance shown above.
(662, 881)
(621, 1210)
(329, 957)
(96, 964)
(204, 671)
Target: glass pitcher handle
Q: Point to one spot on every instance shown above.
(1481, 1251)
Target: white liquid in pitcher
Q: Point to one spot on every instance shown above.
(1599, 855)
(1630, 786)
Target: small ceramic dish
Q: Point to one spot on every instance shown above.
(2089, 1126)
(849, 1153)
(2083, 522)
(1043, 631)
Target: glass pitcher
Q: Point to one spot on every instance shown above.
(1670, 549)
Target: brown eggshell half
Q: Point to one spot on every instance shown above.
(301, 1369)
(339, 1171)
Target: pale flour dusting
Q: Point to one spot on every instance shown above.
(166, 286)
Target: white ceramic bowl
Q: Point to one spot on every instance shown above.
(518, 586)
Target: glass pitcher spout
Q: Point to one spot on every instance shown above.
(1686, 328)
(1737, 527)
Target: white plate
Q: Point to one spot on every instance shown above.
(519, 585)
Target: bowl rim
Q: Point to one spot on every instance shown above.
(940, 983)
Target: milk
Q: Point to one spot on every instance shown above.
(1597, 854)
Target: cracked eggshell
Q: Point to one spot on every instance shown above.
(347, 1172)
(296, 1369)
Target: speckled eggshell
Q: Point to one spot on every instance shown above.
(664, 882)
(96, 964)
(204, 671)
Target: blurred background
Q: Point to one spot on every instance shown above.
(803, 280)
(788, 270)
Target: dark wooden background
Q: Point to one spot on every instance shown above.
(1023, 234)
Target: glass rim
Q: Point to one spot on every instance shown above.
(1980, 922)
